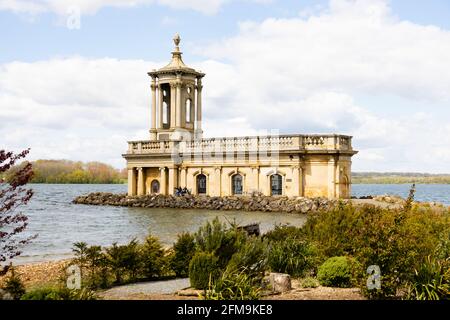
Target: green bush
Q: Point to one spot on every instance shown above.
(431, 281)
(183, 251)
(203, 270)
(153, 258)
(234, 285)
(94, 265)
(251, 258)
(282, 232)
(124, 260)
(59, 294)
(293, 256)
(14, 286)
(222, 241)
(396, 240)
(335, 272)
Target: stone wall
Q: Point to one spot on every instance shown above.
(255, 203)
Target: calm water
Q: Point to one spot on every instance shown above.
(424, 192)
(59, 223)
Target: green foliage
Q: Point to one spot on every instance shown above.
(431, 281)
(251, 258)
(216, 238)
(397, 240)
(59, 294)
(399, 178)
(153, 258)
(281, 232)
(65, 171)
(335, 272)
(203, 270)
(234, 285)
(183, 251)
(294, 256)
(14, 285)
(124, 260)
(309, 282)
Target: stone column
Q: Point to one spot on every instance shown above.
(173, 104)
(141, 182)
(153, 124)
(131, 182)
(296, 190)
(162, 179)
(215, 187)
(178, 107)
(160, 107)
(183, 177)
(172, 180)
(198, 120)
(255, 171)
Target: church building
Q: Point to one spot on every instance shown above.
(177, 155)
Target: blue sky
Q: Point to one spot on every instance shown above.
(141, 32)
(381, 75)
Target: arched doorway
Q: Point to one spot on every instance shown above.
(236, 184)
(155, 186)
(201, 184)
(276, 185)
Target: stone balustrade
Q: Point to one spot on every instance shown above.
(279, 143)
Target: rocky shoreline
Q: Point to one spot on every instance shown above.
(242, 203)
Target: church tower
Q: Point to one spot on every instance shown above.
(176, 109)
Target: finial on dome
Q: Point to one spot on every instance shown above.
(176, 39)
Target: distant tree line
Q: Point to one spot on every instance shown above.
(399, 177)
(66, 171)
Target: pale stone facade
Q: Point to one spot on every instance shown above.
(177, 156)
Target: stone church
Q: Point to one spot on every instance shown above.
(177, 155)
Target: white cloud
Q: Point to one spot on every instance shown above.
(298, 75)
(61, 7)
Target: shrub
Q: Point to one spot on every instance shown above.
(281, 232)
(124, 260)
(14, 286)
(293, 256)
(59, 294)
(431, 281)
(234, 285)
(153, 258)
(250, 258)
(183, 251)
(203, 270)
(335, 272)
(93, 264)
(214, 237)
(396, 240)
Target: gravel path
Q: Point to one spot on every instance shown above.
(168, 287)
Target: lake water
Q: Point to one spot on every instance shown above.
(59, 223)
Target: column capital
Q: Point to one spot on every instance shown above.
(139, 168)
(162, 168)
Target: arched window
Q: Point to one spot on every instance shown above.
(276, 184)
(236, 184)
(188, 110)
(201, 184)
(155, 186)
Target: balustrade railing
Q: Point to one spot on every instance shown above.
(256, 143)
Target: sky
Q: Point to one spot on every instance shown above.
(74, 83)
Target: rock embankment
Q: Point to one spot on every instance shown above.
(258, 203)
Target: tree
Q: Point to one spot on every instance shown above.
(13, 194)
